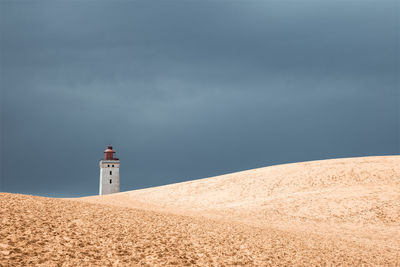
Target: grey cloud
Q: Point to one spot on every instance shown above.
(190, 89)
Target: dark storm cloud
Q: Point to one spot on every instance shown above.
(190, 89)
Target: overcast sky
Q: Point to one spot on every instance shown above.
(187, 89)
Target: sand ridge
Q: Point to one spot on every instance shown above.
(331, 212)
(354, 197)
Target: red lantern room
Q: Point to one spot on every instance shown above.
(109, 153)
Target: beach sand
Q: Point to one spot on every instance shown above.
(329, 212)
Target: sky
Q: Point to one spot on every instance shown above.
(188, 89)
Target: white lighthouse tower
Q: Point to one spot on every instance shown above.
(109, 173)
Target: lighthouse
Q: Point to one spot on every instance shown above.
(109, 173)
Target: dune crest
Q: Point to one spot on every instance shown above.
(335, 196)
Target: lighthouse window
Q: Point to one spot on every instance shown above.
(113, 165)
(110, 181)
(108, 165)
(110, 172)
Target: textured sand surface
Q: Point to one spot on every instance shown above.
(332, 212)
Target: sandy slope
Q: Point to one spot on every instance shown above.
(342, 211)
(356, 197)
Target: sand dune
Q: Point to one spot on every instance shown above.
(332, 196)
(331, 212)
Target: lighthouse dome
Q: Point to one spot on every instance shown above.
(109, 153)
(109, 150)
